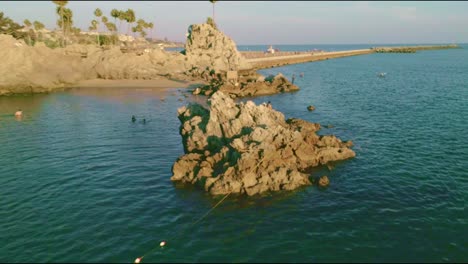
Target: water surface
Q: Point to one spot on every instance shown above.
(79, 182)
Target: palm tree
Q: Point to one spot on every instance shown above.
(94, 25)
(111, 27)
(67, 19)
(38, 25)
(141, 25)
(115, 14)
(97, 13)
(151, 25)
(213, 2)
(104, 20)
(28, 25)
(60, 11)
(122, 17)
(130, 17)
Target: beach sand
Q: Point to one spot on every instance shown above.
(150, 84)
(128, 89)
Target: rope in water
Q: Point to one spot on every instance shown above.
(163, 243)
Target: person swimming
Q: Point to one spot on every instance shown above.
(133, 118)
(19, 113)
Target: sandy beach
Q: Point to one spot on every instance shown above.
(160, 84)
(124, 90)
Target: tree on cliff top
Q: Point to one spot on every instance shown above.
(38, 25)
(213, 2)
(9, 27)
(60, 11)
(130, 18)
(28, 25)
(115, 14)
(211, 22)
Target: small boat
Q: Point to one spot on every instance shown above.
(271, 50)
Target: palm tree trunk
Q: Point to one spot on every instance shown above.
(63, 27)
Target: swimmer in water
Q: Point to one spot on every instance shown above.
(19, 113)
(133, 119)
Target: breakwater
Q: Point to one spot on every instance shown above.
(258, 60)
(262, 60)
(411, 49)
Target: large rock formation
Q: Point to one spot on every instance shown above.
(244, 148)
(32, 69)
(207, 47)
(209, 56)
(259, 85)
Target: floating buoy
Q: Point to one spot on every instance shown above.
(137, 260)
(162, 244)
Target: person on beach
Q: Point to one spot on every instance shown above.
(19, 113)
(268, 104)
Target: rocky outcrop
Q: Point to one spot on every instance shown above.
(27, 69)
(250, 85)
(249, 149)
(209, 56)
(34, 69)
(324, 181)
(113, 64)
(207, 47)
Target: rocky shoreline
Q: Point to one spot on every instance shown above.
(209, 57)
(229, 148)
(248, 149)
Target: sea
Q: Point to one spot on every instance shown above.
(81, 182)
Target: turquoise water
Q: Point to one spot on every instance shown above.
(79, 182)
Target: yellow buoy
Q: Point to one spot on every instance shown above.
(137, 260)
(162, 244)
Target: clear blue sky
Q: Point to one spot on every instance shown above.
(280, 22)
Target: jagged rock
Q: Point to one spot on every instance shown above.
(26, 69)
(255, 85)
(249, 149)
(207, 47)
(324, 181)
(197, 91)
(42, 69)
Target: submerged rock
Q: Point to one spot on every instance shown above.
(249, 149)
(324, 181)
